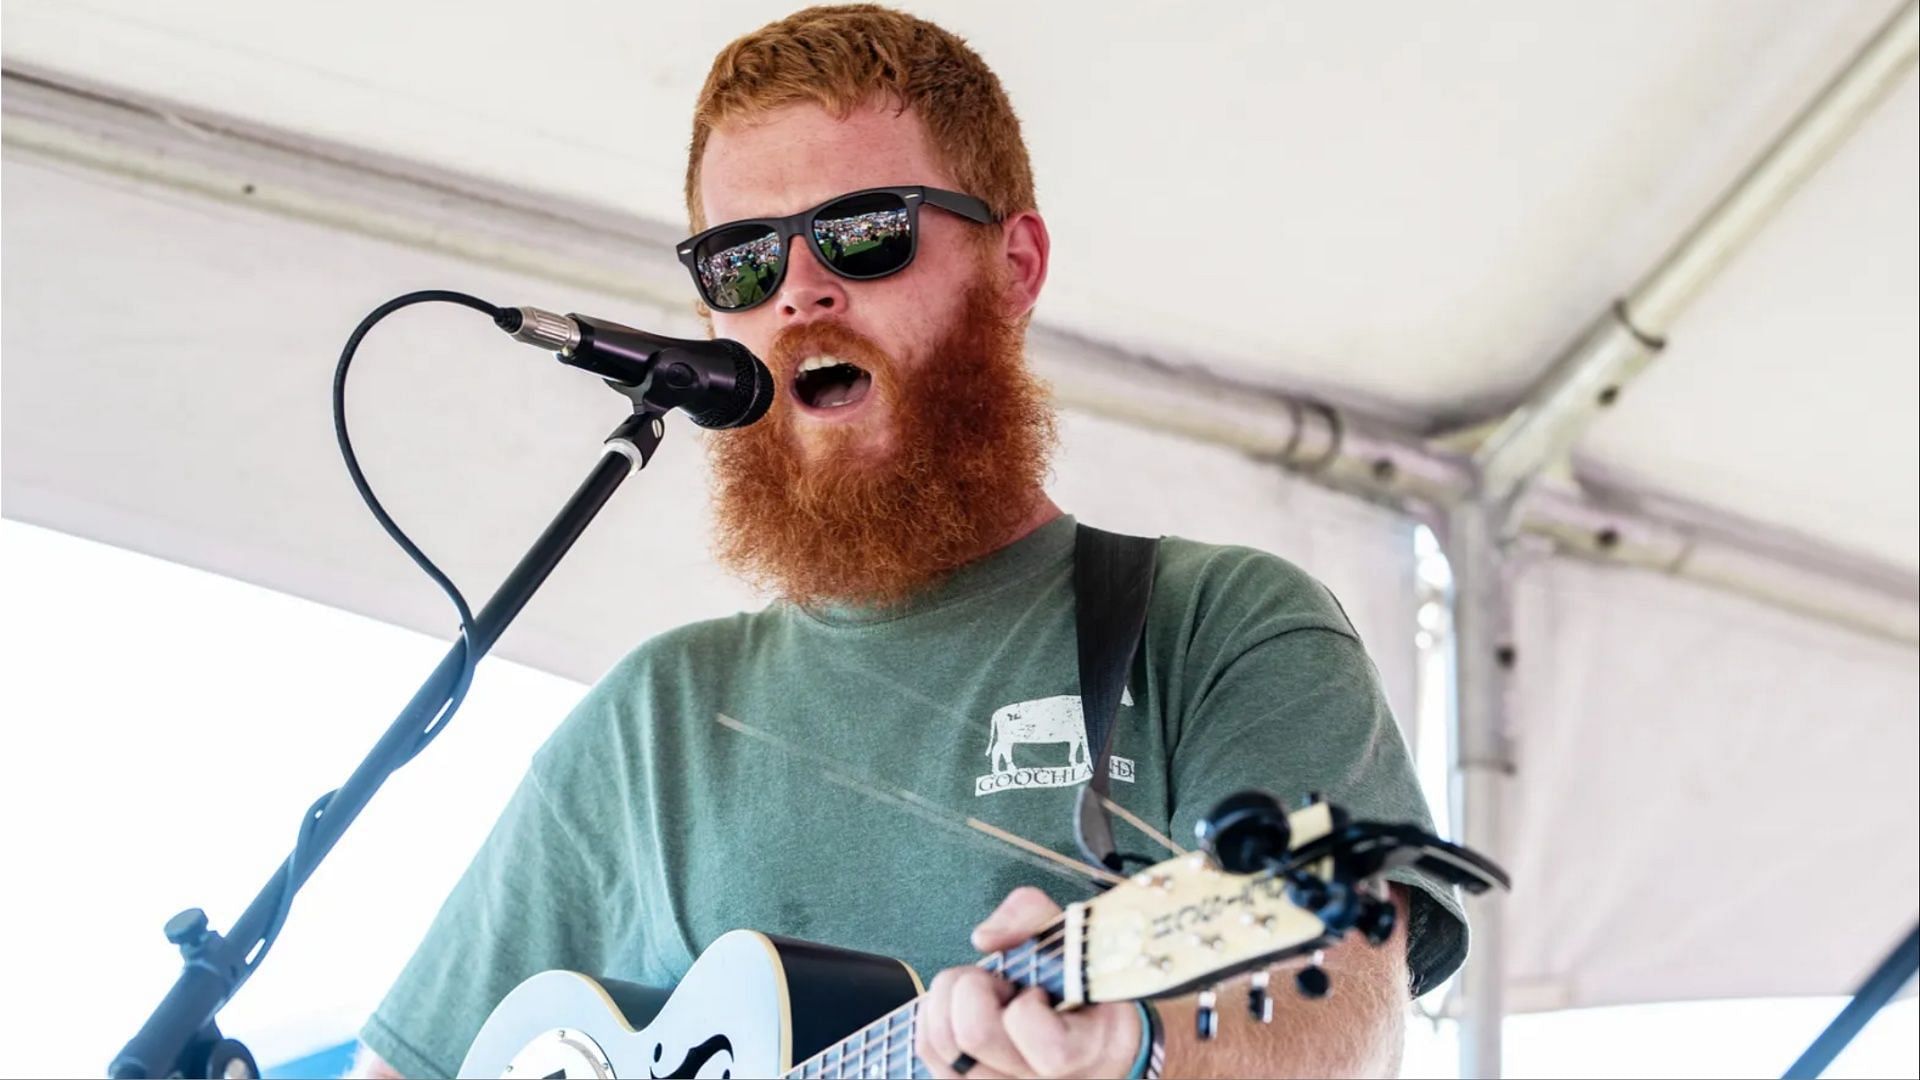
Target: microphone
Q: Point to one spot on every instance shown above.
(718, 382)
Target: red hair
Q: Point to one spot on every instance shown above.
(844, 57)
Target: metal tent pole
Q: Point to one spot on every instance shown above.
(1808, 141)
(1481, 759)
(1540, 432)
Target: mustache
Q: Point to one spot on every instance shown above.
(826, 337)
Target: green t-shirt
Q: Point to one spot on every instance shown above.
(647, 827)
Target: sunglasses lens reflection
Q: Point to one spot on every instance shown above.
(738, 267)
(865, 236)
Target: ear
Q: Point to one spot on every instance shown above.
(1024, 248)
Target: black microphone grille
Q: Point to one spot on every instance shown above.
(747, 399)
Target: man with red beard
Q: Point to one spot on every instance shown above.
(865, 221)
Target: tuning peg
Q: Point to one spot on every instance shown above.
(1246, 832)
(1259, 1002)
(1309, 892)
(1376, 920)
(1206, 1019)
(1312, 981)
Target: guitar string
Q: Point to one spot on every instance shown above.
(1152, 833)
(1045, 962)
(1041, 956)
(888, 1050)
(900, 799)
(1042, 959)
(1043, 966)
(1023, 843)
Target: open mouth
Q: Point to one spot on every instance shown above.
(827, 382)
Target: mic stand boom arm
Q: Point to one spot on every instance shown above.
(181, 1038)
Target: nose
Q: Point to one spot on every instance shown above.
(810, 290)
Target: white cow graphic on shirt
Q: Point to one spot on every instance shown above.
(1048, 720)
(1044, 721)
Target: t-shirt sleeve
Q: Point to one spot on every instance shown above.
(508, 918)
(1293, 705)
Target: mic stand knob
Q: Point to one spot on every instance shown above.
(189, 931)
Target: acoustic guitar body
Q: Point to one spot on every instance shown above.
(751, 1006)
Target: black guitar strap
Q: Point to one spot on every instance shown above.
(1112, 581)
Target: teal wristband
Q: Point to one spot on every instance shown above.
(1143, 1063)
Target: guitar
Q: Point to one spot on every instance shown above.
(1265, 887)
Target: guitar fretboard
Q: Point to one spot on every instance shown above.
(884, 1048)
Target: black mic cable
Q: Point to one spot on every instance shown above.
(719, 383)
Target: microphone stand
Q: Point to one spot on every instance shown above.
(1879, 988)
(181, 1037)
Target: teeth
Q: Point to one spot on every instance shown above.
(815, 363)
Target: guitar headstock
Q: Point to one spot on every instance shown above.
(1188, 922)
(1266, 886)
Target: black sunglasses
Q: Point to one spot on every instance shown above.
(860, 236)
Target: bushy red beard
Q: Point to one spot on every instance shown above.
(972, 430)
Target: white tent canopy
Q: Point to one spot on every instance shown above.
(1427, 209)
(1443, 201)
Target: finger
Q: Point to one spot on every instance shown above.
(977, 999)
(934, 1044)
(1040, 1033)
(1024, 911)
(1103, 1039)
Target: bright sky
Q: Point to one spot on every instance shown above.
(167, 727)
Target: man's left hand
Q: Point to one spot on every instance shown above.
(1008, 1031)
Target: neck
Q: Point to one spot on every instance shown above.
(885, 1047)
(1044, 510)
